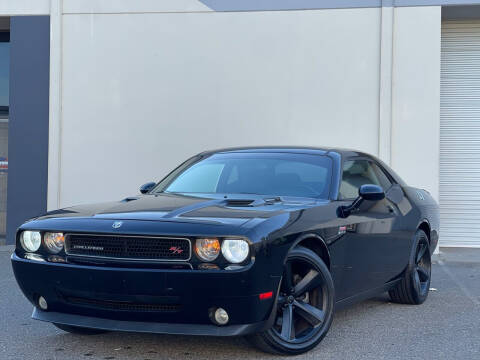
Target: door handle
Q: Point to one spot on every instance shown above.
(390, 209)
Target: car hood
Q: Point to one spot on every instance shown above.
(217, 208)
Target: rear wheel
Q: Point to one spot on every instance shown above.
(415, 285)
(304, 306)
(79, 330)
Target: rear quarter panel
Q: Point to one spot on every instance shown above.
(428, 210)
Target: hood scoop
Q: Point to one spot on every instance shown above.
(131, 198)
(251, 203)
(239, 202)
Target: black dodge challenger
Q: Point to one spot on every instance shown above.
(263, 242)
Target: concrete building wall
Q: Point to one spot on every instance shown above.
(416, 96)
(24, 7)
(142, 92)
(297, 78)
(136, 87)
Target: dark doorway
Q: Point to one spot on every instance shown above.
(4, 113)
(28, 120)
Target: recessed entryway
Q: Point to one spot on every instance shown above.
(460, 134)
(4, 114)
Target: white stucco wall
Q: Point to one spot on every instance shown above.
(142, 92)
(24, 7)
(416, 96)
(137, 87)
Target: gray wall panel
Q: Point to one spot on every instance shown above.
(258, 5)
(28, 124)
(265, 5)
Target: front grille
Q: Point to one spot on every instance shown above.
(128, 247)
(122, 306)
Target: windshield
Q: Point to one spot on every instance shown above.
(275, 174)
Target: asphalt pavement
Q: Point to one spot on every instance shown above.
(446, 326)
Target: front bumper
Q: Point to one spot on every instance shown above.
(148, 327)
(148, 300)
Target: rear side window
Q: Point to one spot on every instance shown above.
(357, 173)
(385, 182)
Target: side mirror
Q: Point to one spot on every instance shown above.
(145, 188)
(371, 192)
(367, 192)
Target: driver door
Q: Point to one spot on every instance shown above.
(369, 237)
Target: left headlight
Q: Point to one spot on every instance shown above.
(54, 242)
(31, 240)
(207, 249)
(235, 250)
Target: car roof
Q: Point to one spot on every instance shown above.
(336, 152)
(290, 149)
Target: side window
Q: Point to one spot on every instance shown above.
(385, 182)
(355, 174)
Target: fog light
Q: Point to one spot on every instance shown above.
(221, 316)
(42, 303)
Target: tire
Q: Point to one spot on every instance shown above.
(415, 284)
(306, 302)
(79, 330)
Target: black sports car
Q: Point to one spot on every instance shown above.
(264, 242)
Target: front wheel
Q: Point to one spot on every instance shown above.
(304, 306)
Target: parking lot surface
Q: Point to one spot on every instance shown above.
(447, 326)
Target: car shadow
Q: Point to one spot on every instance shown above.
(118, 345)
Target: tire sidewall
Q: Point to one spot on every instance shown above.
(418, 298)
(294, 349)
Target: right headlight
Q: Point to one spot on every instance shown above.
(30, 240)
(235, 250)
(54, 242)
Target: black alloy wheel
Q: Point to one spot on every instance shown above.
(304, 305)
(415, 285)
(423, 268)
